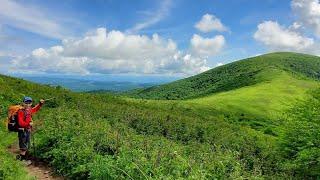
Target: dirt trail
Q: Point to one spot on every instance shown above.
(37, 169)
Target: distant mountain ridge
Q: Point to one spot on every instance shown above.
(235, 75)
(85, 85)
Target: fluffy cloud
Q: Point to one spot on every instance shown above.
(277, 37)
(206, 46)
(49, 61)
(103, 51)
(308, 13)
(210, 23)
(296, 37)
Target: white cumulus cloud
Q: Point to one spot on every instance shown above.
(105, 52)
(207, 46)
(296, 37)
(277, 37)
(308, 13)
(210, 23)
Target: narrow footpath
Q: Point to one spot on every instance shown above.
(37, 169)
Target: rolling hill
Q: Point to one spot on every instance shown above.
(236, 75)
(252, 119)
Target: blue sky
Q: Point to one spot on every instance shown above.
(149, 37)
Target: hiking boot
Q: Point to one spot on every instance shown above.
(28, 156)
(27, 162)
(19, 157)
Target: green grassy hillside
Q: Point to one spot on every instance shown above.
(246, 132)
(100, 136)
(235, 75)
(266, 99)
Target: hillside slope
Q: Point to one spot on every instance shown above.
(235, 75)
(268, 99)
(98, 136)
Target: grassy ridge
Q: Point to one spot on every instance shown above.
(267, 99)
(260, 106)
(233, 76)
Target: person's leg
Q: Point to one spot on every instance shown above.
(28, 136)
(22, 134)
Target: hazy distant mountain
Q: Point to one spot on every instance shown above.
(88, 85)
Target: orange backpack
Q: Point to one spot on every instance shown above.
(13, 124)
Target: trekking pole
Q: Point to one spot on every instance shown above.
(33, 145)
(49, 99)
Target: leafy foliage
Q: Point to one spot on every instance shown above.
(10, 169)
(300, 144)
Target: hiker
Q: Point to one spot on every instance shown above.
(25, 125)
